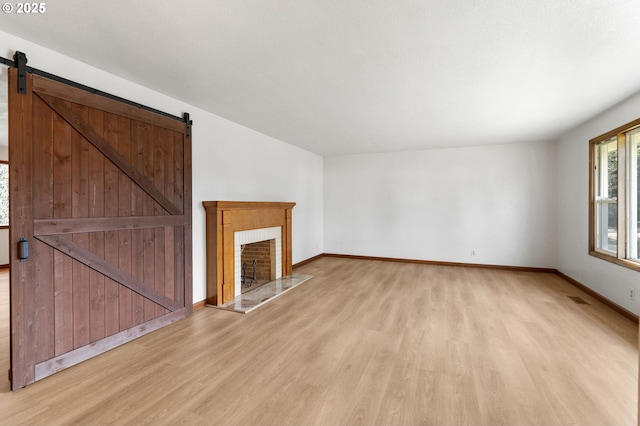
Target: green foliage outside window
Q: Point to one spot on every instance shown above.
(612, 167)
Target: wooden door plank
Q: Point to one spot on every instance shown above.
(178, 198)
(80, 124)
(148, 244)
(160, 138)
(137, 205)
(158, 263)
(125, 303)
(137, 271)
(179, 158)
(43, 160)
(111, 287)
(179, 266)
(79, 253)
(80, 208)
(169, 263)
(169, 168)
(63, 303)
(96, 239)
(21, 224)
(44, 320)
(63, 265)
(169, 237)
(111, 208)
(96, 291)
(187, 256)
(145, 144)
(158, 273)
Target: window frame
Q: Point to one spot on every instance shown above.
(621, 255)
(7, 163)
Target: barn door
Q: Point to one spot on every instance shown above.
(101, 193)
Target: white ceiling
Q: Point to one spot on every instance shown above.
(356, 76)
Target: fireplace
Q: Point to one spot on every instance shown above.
(234, 225)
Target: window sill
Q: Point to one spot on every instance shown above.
(622, 262)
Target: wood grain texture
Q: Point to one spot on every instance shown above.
(125, 208)
(20, 221)
(111, 208)
(439, 262)
(183, 156)
(99, 265)
(366, 342)
(79, 123)
(44, 322)
(622, 311)
(61, 91)
(109, 223)
(99, 195)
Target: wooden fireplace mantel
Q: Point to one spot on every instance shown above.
(223, 218)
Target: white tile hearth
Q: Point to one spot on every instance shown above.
(250, 300)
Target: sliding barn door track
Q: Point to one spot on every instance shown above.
(20, 62)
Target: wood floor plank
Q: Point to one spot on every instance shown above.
(364, 342)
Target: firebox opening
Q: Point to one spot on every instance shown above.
(258, 264)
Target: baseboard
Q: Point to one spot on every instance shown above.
(441, 263)
(619, 309)
(600, 298)
(309, 260)
(199, 305)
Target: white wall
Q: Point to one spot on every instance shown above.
(230, 162)
(608, 279)
(440, 204)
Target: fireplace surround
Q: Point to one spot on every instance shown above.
(229, 224)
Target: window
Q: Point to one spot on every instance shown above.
(4, 194)
(614, 182)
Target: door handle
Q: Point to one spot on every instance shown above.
(23, 249)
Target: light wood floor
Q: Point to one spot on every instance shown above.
(365, 342)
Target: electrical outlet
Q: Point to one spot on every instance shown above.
(473, 253)
(632, 294)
